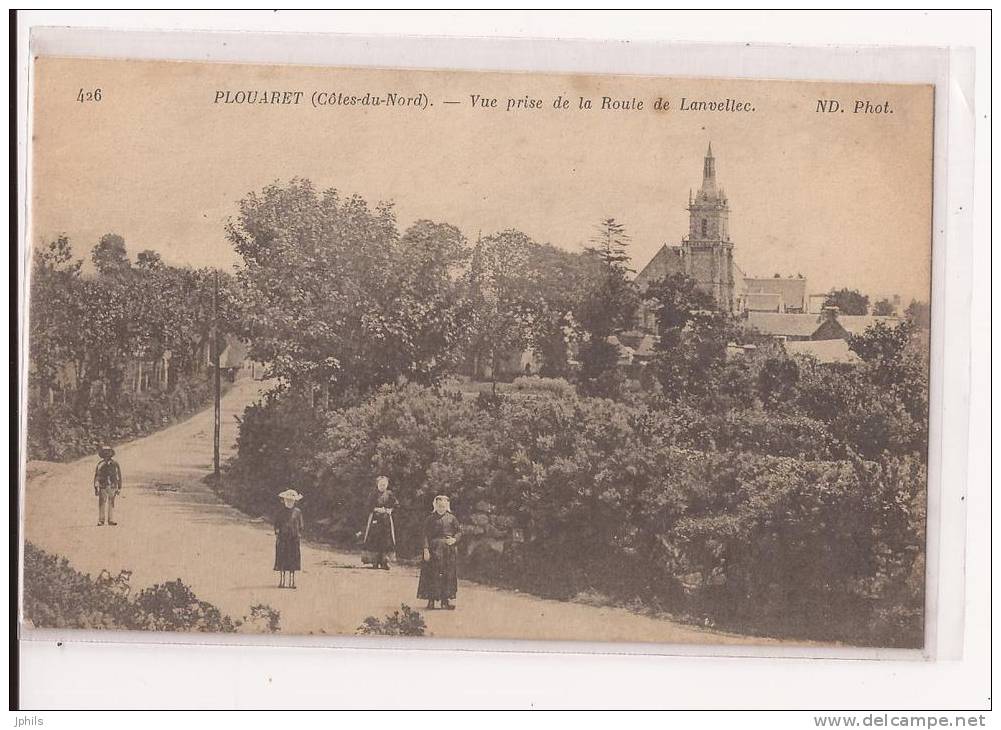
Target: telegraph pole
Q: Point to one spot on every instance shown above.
(217, 375)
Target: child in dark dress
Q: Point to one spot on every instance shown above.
(380, 533)
(288, 529)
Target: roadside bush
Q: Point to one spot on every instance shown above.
(172, 606)
(57, 596)
(806, 546)
(761, 520)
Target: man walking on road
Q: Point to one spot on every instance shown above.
(107, 485)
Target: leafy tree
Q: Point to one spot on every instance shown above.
(109, 255)
(896, 362)
(919, 313)
(777, 381)
(848, 301)
(884, 308)
(335, 300)
(503, 296)
(676, 299)
(563, 279)
(148, 260)
(883, 344)
(425, 321)
(693, 335)
(600, 376)
(56, 316)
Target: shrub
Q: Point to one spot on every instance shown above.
(533, 383)
(783, 525)
(405, 622)
(57, 596)
(172, 606)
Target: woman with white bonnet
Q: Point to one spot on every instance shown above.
(438, 581)
(288, 529)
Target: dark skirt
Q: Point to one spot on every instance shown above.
(380, 534)
(287, 556)
(438, 580)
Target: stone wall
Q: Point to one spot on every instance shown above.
(487, 529)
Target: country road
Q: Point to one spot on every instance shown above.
(171, 525)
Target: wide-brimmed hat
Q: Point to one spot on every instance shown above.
(290, 494)
(105, 452)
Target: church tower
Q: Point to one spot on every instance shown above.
(707, 249)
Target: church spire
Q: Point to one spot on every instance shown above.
(709, 173)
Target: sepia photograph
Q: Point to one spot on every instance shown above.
(477, 355)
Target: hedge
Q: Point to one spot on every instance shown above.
(64, 431)
(760, 521)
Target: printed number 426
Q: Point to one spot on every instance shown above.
(83, 95)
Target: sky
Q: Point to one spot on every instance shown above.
(842, 198)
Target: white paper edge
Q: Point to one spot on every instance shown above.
(952, 221)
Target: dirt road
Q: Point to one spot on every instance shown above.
(171, 525)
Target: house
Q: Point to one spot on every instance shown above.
(826, 326)
(824, 351)
(775, 294)
(784, 326)
(763, 302)
(642, 344)
(234, 360)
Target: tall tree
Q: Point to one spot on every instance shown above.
(608, 308)
(611, 244)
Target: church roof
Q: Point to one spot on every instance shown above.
(666, 261)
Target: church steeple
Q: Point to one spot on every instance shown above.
(709, 172)
(709, 211)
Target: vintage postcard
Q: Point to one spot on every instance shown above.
(477, 355)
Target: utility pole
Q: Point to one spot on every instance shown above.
(217, 375)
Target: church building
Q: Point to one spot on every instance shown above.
(706, 251)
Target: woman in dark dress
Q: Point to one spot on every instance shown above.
(380, 534)
(288, 529)
(438, 581)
